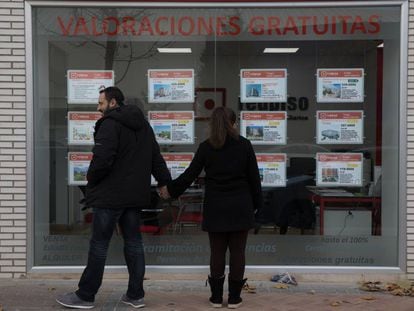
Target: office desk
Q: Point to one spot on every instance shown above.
(331, 200)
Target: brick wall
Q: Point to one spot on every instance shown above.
(12, 140)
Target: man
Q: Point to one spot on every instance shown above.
(119, 181)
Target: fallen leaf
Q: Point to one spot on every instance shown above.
(336, 303)
(404, 284)
(398, 292)
(251, 289)
(391, 286)
(51, 288)
(368, 298)
(312, 292)
(370, 286)
(281, 286)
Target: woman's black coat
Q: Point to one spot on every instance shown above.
(232, 185)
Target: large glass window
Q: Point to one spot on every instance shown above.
(322, 115)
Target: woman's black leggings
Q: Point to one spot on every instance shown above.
(236, 243)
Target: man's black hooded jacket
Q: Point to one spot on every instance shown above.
(124, 157)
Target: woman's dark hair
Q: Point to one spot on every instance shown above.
(113, 92)
(221, 126)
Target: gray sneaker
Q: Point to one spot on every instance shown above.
(71, 300)
(136, 303)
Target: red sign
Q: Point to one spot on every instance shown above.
(171, 74)
(90, 75)
(340, 157)
(339, 115)
(264, 116)
(271, 157)
(171, 116)
(218, 25)
(80, 156)
(264, 73)
(89, 116)
(340, 73)
(169, 157)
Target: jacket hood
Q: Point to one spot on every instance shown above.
(129, 115)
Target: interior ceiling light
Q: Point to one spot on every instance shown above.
(174, 50)
(280, 50)
(380, 45)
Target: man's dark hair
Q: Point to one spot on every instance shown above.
(113, 92)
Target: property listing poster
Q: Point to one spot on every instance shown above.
(84, 85)
(177, 163)
(78, 164)
(340, 127)
(272, 169)
(171, 86)
(264, 128)
(172, 127)
(81, 127)
(340, 85)
(339, 169)
(263, 85)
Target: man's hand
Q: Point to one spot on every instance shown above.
(163, 192)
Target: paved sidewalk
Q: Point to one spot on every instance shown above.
(35, 294)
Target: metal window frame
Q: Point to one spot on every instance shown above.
(402, 196)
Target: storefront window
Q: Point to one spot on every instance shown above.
(321, 110)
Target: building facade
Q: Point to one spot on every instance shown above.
(328, 110)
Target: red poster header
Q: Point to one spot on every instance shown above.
(340, 157)
(337, 73)
(80, 156)
(323, 115)
(84, 116)
(264, 116)
(271, 158)
(90, 75)
(267, 74)
(171, 74)
(170, 116)
(173, 157)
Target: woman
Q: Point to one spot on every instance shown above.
(232, 196)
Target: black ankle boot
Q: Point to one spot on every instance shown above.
(216, 286)
(235, 288)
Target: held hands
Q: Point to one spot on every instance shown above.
(163, 192)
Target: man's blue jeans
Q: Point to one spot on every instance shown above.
(104, 223)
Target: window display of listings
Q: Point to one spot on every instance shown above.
(172, 127)
(272, 169)
(317, 88)
(340, 127)
(171, 86)
(81, 127)
(264, 128)
(263, 85)
(340, 85)
(339, 169)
